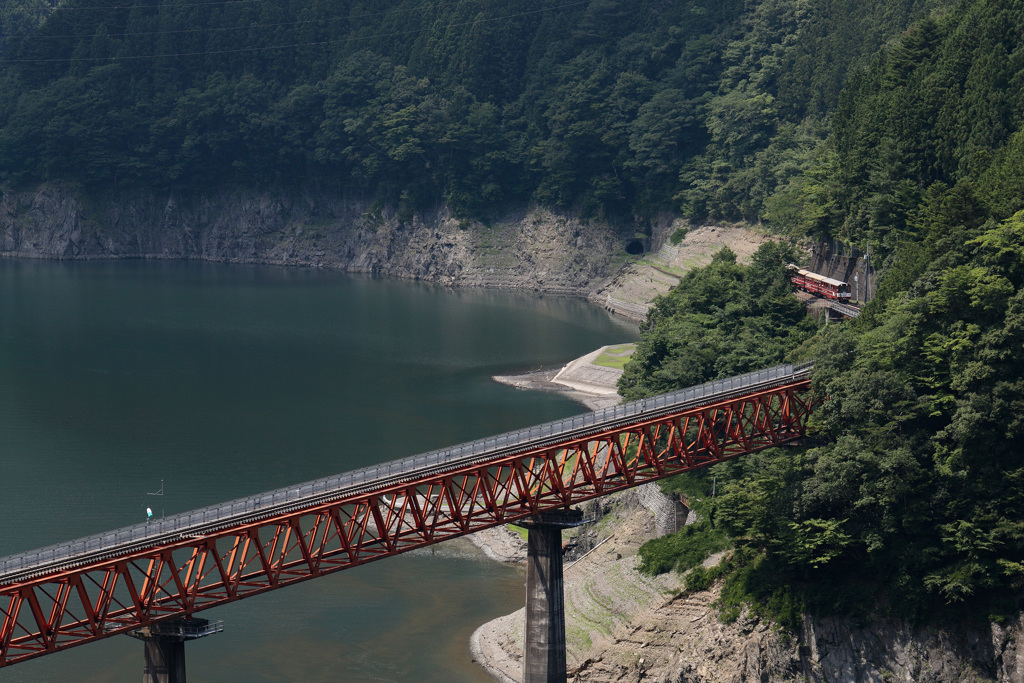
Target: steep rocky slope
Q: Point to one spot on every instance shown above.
(623, 626)
(317, 227)
(627, 627)
(322, 227)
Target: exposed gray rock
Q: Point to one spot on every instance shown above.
(889, 650)
(319, 227)
(540, 250)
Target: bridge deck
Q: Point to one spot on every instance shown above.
(262, 505)
(114, 582)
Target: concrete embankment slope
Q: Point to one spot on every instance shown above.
(630, 292)
(587, 375)
(591, 379)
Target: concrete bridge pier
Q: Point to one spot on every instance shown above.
(544, 660)
(165, 646)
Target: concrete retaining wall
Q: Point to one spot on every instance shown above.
(849, 264)
(669, 514)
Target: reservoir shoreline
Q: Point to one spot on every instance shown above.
(225, 381)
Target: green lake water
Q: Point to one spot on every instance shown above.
(222, 381)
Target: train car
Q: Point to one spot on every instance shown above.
(819, 285)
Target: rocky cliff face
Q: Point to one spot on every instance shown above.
(537, 250)
(681, 641)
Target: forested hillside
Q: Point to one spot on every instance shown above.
(19, 18)
(613, 108)
(915, 500)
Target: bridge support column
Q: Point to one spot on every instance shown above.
(165, 647)
(544, 649)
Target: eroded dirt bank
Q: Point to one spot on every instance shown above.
(624, 626)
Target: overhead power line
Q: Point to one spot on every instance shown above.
(223, 28)
(187, 30)
(267, 48)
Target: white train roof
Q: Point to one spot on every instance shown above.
(820, 278)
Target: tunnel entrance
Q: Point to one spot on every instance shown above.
(635, 248)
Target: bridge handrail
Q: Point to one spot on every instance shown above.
(846, 309)
(80, 551)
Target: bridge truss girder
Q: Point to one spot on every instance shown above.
(107, 597)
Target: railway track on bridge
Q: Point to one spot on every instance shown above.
(197, 559)
(288, 499)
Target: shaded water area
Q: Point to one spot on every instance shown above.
(222, 381)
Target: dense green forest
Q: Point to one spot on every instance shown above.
(612, 108)
(913, 500)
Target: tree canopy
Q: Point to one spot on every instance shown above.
(612, 108)
(912, 500)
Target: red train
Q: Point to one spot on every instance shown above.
(819, 285)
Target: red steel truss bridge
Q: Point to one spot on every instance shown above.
(122, 580)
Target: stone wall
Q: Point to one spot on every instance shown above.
(669, 513)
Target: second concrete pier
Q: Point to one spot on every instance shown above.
(544, 660)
